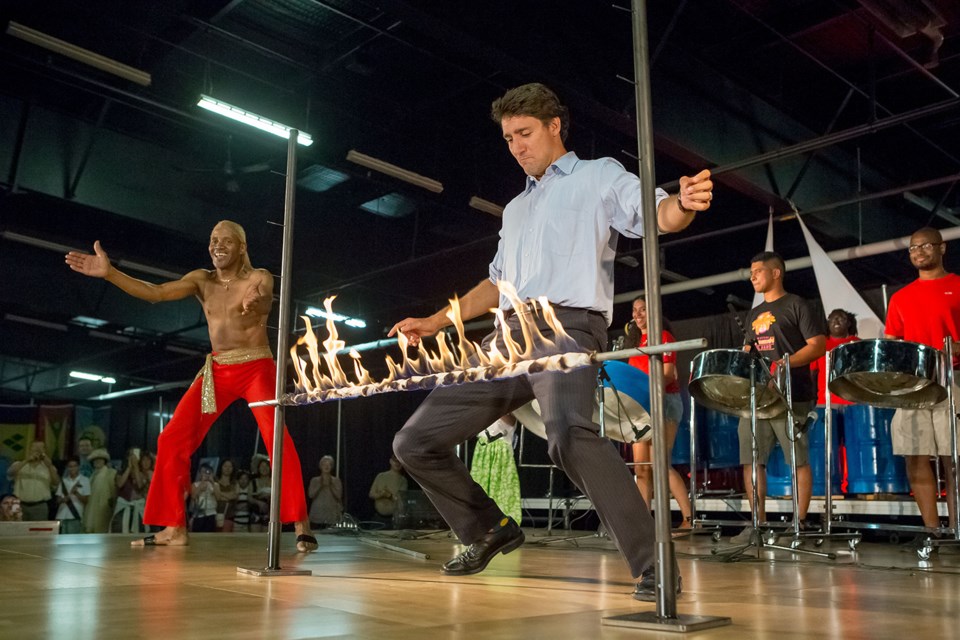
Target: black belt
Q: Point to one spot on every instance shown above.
(33, 504)
(534, 306)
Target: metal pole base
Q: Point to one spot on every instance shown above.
(683, 623)
(267, 572)
(757, 540)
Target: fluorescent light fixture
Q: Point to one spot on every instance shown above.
(394, 171)
(391, 205)
(314, 312)
(252, 119)
(79, 54)
(35, 322)
(486, 206)
(139, 390)
(93, 377)
(87, 321)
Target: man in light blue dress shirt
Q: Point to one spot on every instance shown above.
(558, 240)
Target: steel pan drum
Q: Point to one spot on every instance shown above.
(720, 380)
(888, 373)
(626, 412)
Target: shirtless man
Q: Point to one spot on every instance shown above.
(236, 300)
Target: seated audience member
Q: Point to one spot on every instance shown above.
(225, 490)
(204, 501)
(34, 481)
(385, 491)
(326, 496)
(72, 495)
(103, 493)
(10, 510)
(242, 514)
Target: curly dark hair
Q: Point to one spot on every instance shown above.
(534, 100)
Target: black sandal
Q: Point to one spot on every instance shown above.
(306, 543)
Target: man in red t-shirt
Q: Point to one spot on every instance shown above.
(926, 311)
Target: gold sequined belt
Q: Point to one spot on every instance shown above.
(208, 398)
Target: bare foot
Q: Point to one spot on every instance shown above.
(306, 542)
(169, 537)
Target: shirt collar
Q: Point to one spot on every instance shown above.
(564, 164)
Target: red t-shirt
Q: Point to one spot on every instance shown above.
(643, 362)
(817, 368)
(926, 311)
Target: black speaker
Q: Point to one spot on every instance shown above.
(415, 511)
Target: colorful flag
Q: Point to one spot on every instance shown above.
(18, 427)
(54, 427)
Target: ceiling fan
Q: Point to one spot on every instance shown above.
(229, 172)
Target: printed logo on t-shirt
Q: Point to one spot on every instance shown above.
(761, 325)
(763, 322)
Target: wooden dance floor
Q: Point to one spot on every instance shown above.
(95, 586)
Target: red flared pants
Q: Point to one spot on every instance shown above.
(253, 381)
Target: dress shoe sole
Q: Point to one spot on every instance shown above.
(511, 545)
(651, 596)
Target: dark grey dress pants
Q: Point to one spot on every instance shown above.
(450, 415)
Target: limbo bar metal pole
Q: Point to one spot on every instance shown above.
(273, 541)
(665, 617)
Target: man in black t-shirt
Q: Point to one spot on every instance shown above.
(783, 325)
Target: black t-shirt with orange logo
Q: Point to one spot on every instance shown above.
(782, 327)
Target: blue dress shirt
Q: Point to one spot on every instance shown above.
(559, 236)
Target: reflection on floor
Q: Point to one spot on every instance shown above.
(96, 586)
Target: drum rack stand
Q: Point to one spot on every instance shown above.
(757, 537)
(932, 540)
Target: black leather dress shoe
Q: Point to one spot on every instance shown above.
(646, 590)
(504, 539)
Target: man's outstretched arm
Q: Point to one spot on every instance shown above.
(98, 266)
(477, 301)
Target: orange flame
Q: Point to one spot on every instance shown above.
(447, 364)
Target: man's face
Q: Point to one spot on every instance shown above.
(73, 468)
(762, 276)
(531, 142)
(395, 465)
(10, 508)
(243, 481)
(84, 447)
(926, 251)
(226, 249)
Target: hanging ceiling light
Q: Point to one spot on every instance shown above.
(394, 171)
(252, 119)
(79, 54)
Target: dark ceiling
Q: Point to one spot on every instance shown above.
(867, 88)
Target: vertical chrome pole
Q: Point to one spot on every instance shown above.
(828, 445)
(339, 434)
(693, 457)
(951, 403)
(665, 564)
(273, 545)
(794, 484)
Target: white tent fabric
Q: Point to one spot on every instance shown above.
(758, 297)
(836, 292)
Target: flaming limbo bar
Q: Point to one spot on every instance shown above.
(561, 362)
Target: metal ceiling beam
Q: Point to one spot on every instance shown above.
(828, 140)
